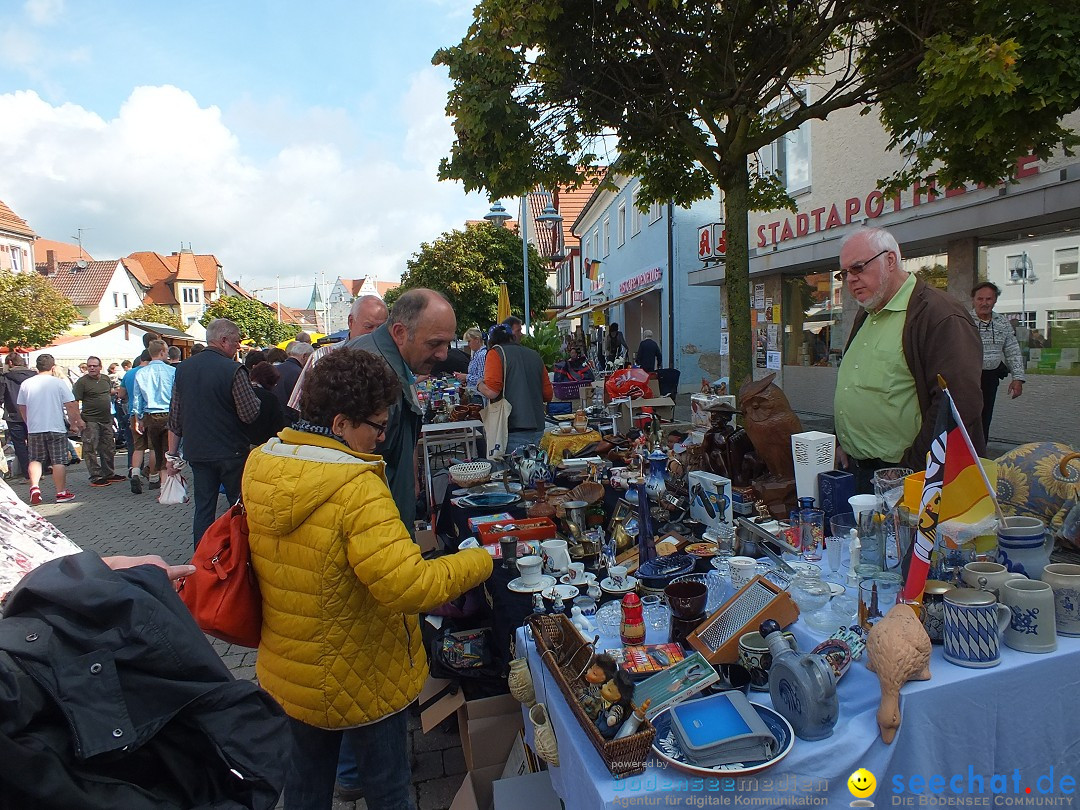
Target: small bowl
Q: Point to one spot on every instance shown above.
(470, 473)
(686, 599)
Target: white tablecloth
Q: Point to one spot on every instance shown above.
(1020, 719)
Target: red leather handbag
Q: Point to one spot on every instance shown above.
(223, 593)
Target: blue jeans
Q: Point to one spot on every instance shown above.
(522, 438)
(381, 750)
(209, 477)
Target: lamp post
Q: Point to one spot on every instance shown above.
(549, 217)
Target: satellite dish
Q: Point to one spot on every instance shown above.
(80, 263)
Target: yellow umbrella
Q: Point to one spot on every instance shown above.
(315, 336)
(504, 303)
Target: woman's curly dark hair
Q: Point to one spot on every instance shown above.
(350, 382)
(264, 374)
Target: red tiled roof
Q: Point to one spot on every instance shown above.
(65, 251)
(136, 269)
(186, 269)
(158, 274)
(386, 286)
(13, 223)
(84, 286)
(235, 289)
(287, 314)
(353, 285)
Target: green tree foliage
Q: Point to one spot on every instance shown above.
(256, 320)
(693, 89)
(467, 266)
(32, 312)
(154, 313)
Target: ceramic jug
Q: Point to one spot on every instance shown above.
(1064, 579)
(1024, 546)
(974, 624)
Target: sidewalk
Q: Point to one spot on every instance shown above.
(111, 520)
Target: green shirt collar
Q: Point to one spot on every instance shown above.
(899, 302)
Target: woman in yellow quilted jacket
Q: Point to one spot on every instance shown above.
(342, 583)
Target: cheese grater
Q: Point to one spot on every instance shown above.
(717, 638)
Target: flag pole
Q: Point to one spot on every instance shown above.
(971, 449)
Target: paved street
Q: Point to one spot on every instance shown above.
(111, 520)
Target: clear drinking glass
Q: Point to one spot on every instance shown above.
(811, 533)
(724, 539)
(877, 594)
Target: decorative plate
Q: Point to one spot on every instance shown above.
(488, 499)
(666, 746)
(607, 584)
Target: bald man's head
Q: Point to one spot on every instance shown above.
(422, 324)
(368, 313)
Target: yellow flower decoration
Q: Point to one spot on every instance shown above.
(1012, 486)
(1056, 485)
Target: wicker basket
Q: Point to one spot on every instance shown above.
(568, 389)
(567, 655)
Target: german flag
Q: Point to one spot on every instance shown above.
(593, 270)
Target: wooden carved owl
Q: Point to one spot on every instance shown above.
(769, 421)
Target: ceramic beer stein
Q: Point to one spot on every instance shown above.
(556, 557)
(1064, 578)
(974, 624)
(995, 575)
(1031, 628)
(1024, 545)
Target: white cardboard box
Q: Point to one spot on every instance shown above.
(717, 491)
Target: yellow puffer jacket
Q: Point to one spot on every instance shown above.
(341, 582)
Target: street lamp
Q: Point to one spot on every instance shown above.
(1022, 273)
(549, 217)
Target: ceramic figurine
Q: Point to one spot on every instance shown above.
(557, 605)
(538, 605)
(717, 452)
(616, 694)
(897, 651)
(632, 627)
(581, 622)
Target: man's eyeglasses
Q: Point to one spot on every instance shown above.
(379, 428)
(856, 268)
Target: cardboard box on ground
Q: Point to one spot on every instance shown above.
(489, 728)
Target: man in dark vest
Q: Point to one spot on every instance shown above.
(212, 400)
(527, 386)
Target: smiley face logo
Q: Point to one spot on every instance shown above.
(862, 783)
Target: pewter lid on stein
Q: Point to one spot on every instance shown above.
(936, 587)
(969, 597)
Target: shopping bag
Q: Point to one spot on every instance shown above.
(496, 419)
(173, 490)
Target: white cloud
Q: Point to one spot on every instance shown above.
(166, 170)
(44, 12)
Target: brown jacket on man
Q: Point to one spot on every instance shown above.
(939, 338)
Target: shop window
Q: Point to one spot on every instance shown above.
(635, 214)
(1067, 262)
(812, 322)
(620, 224)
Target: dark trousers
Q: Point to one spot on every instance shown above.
(990, 383)
(863, 471)
(209, 478)
(17, 434)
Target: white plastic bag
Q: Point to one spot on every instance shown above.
(173, 490)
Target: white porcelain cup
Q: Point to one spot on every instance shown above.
(1064, 578)
(556, 556)
(1031, 628)
(743, 570)
(577, 572)
(529, 568)
(618, 575)
(995, 575)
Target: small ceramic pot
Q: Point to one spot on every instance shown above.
(687, 599)
(995, 575)
(1064, 579)
(932, 614)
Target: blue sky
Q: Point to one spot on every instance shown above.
(289, 139)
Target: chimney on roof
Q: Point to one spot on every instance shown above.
(50, 263)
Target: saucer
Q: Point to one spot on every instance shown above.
(589, 579)
(517, 586)
(607, 585)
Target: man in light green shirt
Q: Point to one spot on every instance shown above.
(905, 335)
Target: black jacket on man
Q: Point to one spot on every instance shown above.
(111, 697)
(13, 380)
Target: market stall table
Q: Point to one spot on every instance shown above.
(1020, 719)
(442, 436)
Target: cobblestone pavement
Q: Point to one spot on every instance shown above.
(111, 520)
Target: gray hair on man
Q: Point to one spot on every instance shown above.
(220, 328)
(409, 309)
(647, 334)
(299, 350)
(878, 239)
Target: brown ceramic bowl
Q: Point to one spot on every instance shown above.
(686, 599)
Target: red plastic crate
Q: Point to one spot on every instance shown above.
(527, 529)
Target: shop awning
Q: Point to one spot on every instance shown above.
(630, 296)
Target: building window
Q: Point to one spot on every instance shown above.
(620, 225)
(655, 212)
(595, 244)
(1067, 262)
(607, 236)
(635, 214)
(789, 156)
(116, 299)
(16, 259)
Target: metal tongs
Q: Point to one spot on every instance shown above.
(768, 537)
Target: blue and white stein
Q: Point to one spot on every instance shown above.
(1024, 546)
(974, 625)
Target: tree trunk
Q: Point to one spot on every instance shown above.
(737, 271)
